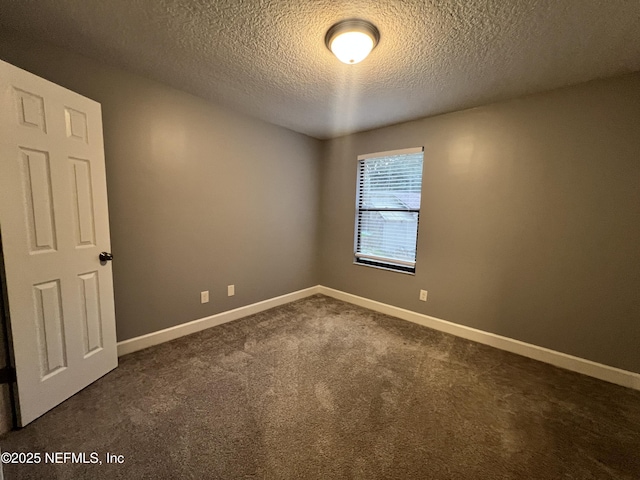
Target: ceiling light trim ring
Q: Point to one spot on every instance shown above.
(352, 25)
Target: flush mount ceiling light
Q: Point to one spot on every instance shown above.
(352, 40)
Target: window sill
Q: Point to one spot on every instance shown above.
(388, 269)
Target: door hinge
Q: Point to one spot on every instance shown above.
(7, 375)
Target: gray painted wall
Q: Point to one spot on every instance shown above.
(529, 227)
(530, 220)
(199, 197)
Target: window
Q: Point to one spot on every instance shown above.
(388, 209)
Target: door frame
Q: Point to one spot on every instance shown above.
(7, 345)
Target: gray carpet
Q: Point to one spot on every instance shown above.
(320, 389)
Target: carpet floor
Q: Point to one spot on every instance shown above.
(321, 389)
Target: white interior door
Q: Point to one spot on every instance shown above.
(54, 224)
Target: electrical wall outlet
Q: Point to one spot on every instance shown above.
(423, 295)
(231, 290)
(204, 297)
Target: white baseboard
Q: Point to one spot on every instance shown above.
(161, 336)
(559, 359)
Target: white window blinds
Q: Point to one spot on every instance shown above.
(388, 209)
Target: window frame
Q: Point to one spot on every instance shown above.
(393, 265)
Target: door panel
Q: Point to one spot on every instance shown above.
(82, 201)
(92, 319)
(54, 224)
(52, 347)
(39, 215)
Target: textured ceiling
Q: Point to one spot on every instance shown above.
(267, 58)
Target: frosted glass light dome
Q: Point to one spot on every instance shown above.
(352, 40)
(352, 47)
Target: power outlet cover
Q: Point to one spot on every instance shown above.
(423, 295)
